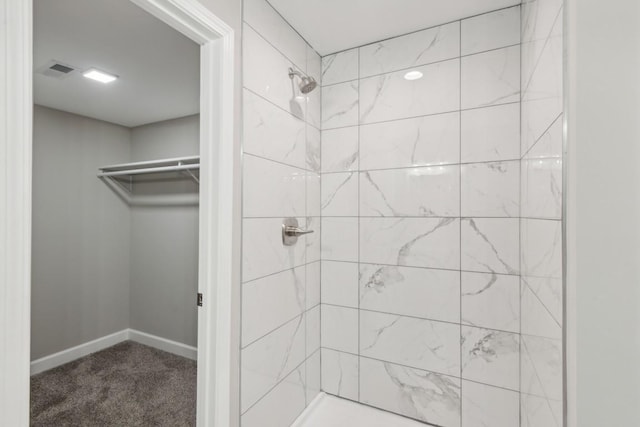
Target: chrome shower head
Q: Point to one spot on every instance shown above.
(307, 83)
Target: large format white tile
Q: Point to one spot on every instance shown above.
(541, 248)
(313, 99)
(340, 283)
(271, 189)
(491, 78)
(313, 195)
(340, 67)
(491, 189)
(340, 149)
(540, 412)
(549, 144)
(270, 302)
(312, 241)
(491, 134)
(408, 341)
(542, 188)
(536, 317)
(417, 242)
(491, 31)
(340, 374)
(312, 284)
(424, 191)
(262, 250)
(542, 66)
(491, 357)
(312, 317)
(314, 149)
(414, 393)
(548, 290)
(412, 50)
(340, 194)
(391, 96)
(340, 239)
(408, 291)
(270, 132)
(266, 21)
(491, 300)
(421, 141)
(265, 72)
(282, 405)
(270, 359)
(339, 328)
(538, 17)
(340, 105)
(490, 245)
(487, 406)
(542, 367)
(313, 379)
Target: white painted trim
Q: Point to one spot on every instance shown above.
(216, 362)
(73, 353)
(164, 344)
(16, 106)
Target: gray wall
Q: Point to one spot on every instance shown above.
(164, 237)
(603, 207)
(99, 264)
(81, 229)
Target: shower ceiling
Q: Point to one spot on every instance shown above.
(334, 25)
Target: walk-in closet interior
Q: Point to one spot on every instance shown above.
(428, 164)
(115, 217)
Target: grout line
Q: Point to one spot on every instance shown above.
(273, 104)
(544, 133)
(288, 269)
(359, 201)
(424, 29)
(439, 113)
(421, 369)
(426, 319)
(460, 228)
(302, 313)
(459, 56)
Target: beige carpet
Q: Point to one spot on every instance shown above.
(128, 384)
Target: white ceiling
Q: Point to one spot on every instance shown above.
(334, 25)
(158, 67)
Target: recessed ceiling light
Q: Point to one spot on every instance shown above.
(99, 76)
(413, 75)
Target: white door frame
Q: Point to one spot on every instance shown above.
(216, 364)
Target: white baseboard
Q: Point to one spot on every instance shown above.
(73, 353)
(164, 344)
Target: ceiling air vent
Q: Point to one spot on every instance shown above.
(57, 70)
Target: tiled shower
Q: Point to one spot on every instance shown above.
(429, 166)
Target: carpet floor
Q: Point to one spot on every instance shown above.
(128, 384)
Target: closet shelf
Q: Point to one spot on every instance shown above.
(178, 164)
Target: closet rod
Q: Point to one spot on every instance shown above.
(151, 170)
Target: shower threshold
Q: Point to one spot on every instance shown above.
(330, 411)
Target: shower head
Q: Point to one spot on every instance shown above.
(307, 83)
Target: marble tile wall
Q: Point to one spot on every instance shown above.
(541, 214)
(280, 355)
(423, 186)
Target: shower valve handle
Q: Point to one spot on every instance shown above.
(291, 231)
(295, 231)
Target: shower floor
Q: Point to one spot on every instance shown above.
(331, 411)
